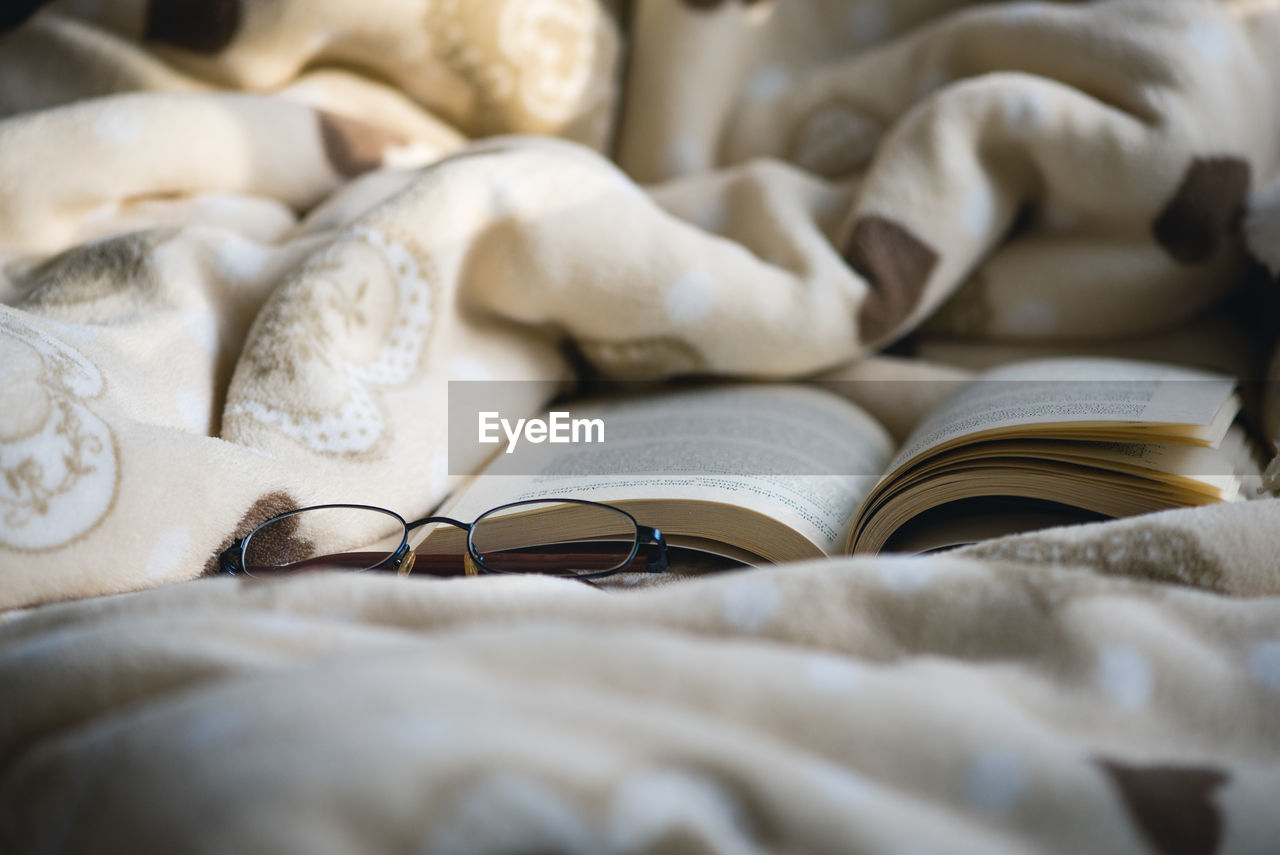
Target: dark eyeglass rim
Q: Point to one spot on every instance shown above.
(231, 560)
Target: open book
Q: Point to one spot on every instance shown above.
(778, 472)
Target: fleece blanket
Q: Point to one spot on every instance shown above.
(244, 246)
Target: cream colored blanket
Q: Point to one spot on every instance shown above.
(245, 245)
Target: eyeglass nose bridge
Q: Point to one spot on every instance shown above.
(468, 565)
(432, 520)
(425, 521)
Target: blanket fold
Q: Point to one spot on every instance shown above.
(244, 247)
(950, 704)
(1048, 184)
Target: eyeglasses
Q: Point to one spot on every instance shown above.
(562, 537)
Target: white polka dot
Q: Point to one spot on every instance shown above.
(712, 217)
(238, 259)
(1211, 41)
(221, 207)
(868, 21)
(1264, 664)
(1031, 316)
(683, 156)
(506, 196)
(439, 470)
(1124, 675)
(463, 366)
(749, 603)
(768, 82)
(691, 297)
(509, 812)
(1014, 12)
(657, 806)
(167, 554)
(202, 328)
(283, 625)
(416, 732)
(979, 212)
(413, 155)
(213, 728)
(118, 125)
(842, 786)
(994, 781)
(758, 13)
(620, 181)
(828, 673)
(1025, 116)
(905, 575)
(194, 409)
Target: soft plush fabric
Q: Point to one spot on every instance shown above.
(891, 705)
(244, 246)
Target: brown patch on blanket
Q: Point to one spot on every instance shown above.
(352, 146)
(201, 26)
(1171, 805)
(283, 540)
(112, 272)
(1208, 204)
(896, 265)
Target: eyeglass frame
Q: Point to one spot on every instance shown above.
(231, 561)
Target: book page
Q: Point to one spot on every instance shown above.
(797, 454)
(1216, 471)
(982, 518)
(1081, 391)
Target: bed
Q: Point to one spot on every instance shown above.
(245, 247)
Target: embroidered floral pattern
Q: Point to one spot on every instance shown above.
(57, 458)
(357, 317)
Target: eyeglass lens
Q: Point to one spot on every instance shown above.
(564, 538)
(338, 538)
